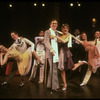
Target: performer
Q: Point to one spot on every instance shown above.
(20, 45)
(23, 60)
(93, 58)
(52, 55)
(77, 35)
(76, 46)
(40, 50)
(65, 56)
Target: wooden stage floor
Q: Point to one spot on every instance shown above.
(33, 90)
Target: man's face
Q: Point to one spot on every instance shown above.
(41, 33)
(97, 34)
(14, 36)
(54, 25)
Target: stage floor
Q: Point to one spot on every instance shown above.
(33, 90)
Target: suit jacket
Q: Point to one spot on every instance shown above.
(47, 42)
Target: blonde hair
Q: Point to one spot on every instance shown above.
(3, 48)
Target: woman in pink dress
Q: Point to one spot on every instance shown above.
(93, 53)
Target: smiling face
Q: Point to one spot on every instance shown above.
(65, 29)
(84, 36)
(41, 33)
(97, 35)
(54, 25)
(3, 49)
(14, 36)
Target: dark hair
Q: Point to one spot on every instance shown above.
(77, 31)
(15, 32)
(63, 25)
(96, 31)
(82, 34)
(53, 20)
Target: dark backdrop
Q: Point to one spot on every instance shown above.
(28, 20)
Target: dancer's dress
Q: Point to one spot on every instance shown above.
(93, 55)
(23, 60)
(65, 58)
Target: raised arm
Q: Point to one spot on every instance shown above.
(39, 39)
(60, 39)
(63, 40)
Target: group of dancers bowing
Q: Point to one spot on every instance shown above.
(52, 46)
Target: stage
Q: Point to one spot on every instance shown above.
(33, 90)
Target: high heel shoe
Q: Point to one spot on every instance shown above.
(64, 87)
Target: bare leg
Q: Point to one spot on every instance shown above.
(63, 75)
(77, 65)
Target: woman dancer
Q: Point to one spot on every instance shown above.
(65, 60)
(93, 53)
(23, 60)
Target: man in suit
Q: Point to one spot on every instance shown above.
(51, 45)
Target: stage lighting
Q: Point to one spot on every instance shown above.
(35, 4)
(10, 5)
(79, 4)
(71, 4)
(43, 4)
(93, 22)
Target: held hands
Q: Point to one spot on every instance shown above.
(53, 52)
(52, 36)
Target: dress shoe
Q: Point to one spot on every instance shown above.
(83, 61)
(82, 84)
(4, 83)
(21, 84)
(64, 87)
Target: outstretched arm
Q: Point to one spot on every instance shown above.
(60, 39)
(77, 39)
(63, 40)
